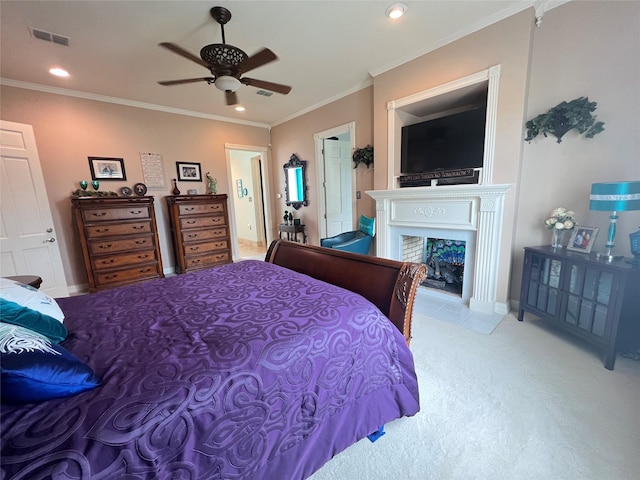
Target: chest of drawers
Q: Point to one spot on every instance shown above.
(119, 240)
(200, 231)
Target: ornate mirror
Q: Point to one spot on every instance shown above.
(295, 183)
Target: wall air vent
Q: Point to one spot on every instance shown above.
(264, 93)
(50, 37)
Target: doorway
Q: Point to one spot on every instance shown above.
(28, 244)
(336, 182)
(248, 199)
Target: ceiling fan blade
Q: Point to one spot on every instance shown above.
(274, 87)
(183, 53)
(187, 80)
(231, 97)
(263, 57)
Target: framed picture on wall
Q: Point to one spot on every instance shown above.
(107, 168)
(582, 239)
(189, 172)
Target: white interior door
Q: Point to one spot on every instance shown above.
(28, 244)
(338, 186)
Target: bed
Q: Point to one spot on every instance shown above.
(252, 370)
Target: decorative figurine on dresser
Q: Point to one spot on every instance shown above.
(200, 231)
(119, 240)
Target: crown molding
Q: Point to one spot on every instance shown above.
(123, 101)
(327, 101)
(519, 7)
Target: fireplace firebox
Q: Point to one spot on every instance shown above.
(444, 259)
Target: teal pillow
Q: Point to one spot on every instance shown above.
(34, 370)
(367, 225)
(16, 314)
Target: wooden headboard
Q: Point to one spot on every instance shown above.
(388, 284)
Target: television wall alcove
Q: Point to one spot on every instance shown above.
(472, 213)
(453, 97)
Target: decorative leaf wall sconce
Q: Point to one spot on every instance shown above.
(564, 117)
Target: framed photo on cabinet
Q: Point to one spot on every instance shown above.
(582, 239)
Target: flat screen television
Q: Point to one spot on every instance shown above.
(446, 143)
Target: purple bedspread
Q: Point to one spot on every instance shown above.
(245, 371)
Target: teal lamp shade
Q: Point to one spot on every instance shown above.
(614, 197)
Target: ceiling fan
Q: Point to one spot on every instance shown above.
(227, 64)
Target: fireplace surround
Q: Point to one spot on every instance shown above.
(471, 213)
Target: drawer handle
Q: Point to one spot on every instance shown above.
(220, 257)
(142, 257)
(111, 277)
(141, 242)
(144, 270)
(109, 245)
(193, 249)
(192, 235)
(196, 261)
(137, 227)
(218, 244)
(99, 214)
(189, 208)
(102, 230)
(108, 262)
(191, 222)
(135, 212)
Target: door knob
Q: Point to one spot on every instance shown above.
(49, 240)
(49, 230)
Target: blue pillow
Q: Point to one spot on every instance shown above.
(33, 369)
(12, 312)
(367, 225)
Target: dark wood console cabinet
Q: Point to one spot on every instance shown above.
(596, 300)
(200, 231)
(119, 240)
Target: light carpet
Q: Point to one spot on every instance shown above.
(526, 402)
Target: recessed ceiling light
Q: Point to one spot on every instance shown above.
(58, 72)
(239, 108)
(396, 10)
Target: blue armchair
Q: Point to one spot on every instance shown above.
(357, 241)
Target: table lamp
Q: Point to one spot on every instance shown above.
(614, 197)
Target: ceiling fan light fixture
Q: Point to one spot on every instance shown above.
(227, 83)
(396, 10)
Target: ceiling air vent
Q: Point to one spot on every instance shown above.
(50, 37)
(264, 93)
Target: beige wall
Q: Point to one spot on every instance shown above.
(581, 49)
(296, 136)
(589, 49)
(507, 44)
(68, 130)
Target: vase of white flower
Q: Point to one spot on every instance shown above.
(557, 237)
(560, 221)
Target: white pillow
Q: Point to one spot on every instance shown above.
(30, 297)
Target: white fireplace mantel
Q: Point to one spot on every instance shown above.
(476, 210)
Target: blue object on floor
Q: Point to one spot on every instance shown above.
(377, 434)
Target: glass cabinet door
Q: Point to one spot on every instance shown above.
(544, 284)
(590, 292)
